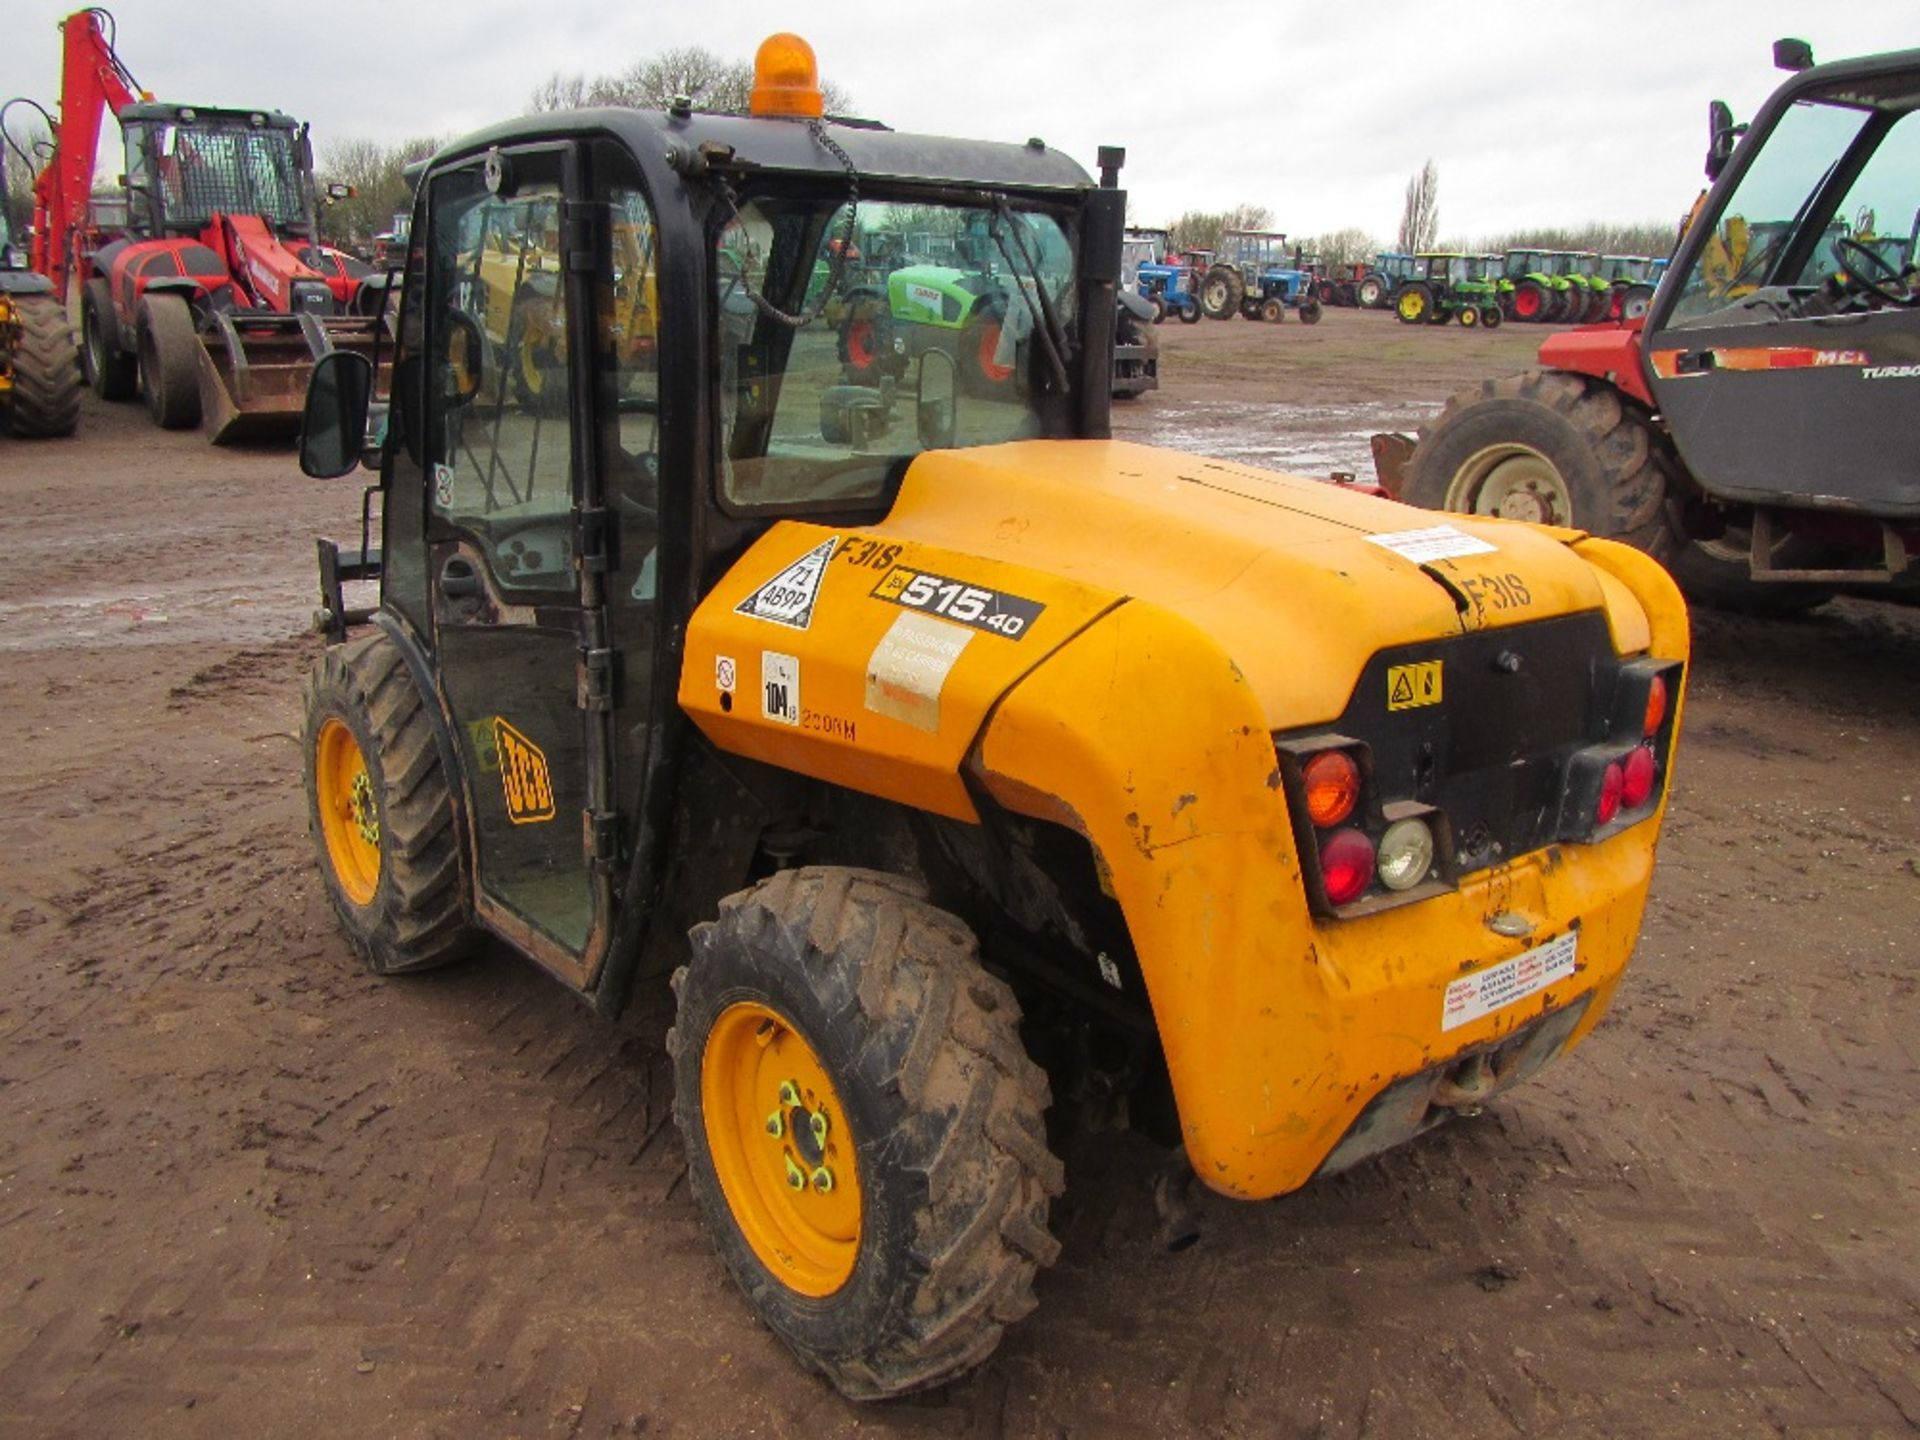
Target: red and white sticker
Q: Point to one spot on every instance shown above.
(1485, 991)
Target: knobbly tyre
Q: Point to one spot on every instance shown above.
(959, 758)
(1755, 425)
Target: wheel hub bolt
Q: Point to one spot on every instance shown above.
(776, 1125)
(823, 1180)
(796, 1177)
(817, 1123)
(789, 1093)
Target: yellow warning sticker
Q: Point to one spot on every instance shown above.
(1410, 686)
(523, 775)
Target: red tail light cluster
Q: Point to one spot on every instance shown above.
(1348, 846)
(1617, 782)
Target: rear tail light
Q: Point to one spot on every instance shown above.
(1613, 780)
(1333, 787)
(1406, 854)
(1346, 865)
(1637, 774)
(1656, 712)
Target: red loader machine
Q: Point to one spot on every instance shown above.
(204, 287)
(1758, 428)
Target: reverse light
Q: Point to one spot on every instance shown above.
(1346, 866)
(1406, 854)
(1333, 787)
(1637, 775)
(786, 80)
(1612, 783)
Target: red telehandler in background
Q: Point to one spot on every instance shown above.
(202, 283)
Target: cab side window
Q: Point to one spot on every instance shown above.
(503, 464)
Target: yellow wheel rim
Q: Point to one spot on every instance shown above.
(1412, 305)
(349, 813)
(782, 1148)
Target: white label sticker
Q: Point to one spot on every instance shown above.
(1437, 542)
(788, 598)
(780, 687)
(909, 667)
(725, 674)
(1482, 993)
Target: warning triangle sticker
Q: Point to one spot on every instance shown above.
(1402, 689)
(787, 599)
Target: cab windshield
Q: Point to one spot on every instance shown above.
(215, 166)
(1831, 175)
(853, 339)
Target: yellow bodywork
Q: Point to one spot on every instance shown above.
(1189, 609)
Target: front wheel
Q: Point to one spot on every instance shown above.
(46, 371)
(1272, 311)
(381, 810)
(1468, 317)
(1159, 309)
(113, 373)
(1718, 573)
(1190, 311)
(864, 1131)
(1490, 316)
(1549, 447)
(1309, 312)
(170, 362)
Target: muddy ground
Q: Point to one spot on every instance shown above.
(246, 1189)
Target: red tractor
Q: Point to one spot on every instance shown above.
(1758, 428)
(203, 284)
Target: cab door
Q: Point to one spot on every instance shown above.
(519, 538)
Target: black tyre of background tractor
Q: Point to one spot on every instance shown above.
(1272, 311)
(945, 1108)
(420, 915)
(1159, 308)
(170, 362)
(113, 373)
(1718, 574)
(1614, 468)
(1190, 312)
(1222, 292)
(46, 371)
(1309, 312)
(1371, 293)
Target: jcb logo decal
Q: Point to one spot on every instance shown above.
(524, 776)
(1410, 686)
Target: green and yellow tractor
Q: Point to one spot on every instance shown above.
(1449, 285)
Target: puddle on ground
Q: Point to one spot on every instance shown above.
(1310, 440)
(157, 615)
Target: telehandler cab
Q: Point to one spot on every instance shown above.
(933, 742)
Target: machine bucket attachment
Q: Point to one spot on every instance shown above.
(254, 369)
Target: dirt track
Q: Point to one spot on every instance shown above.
(246, 1189)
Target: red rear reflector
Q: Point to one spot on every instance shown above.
(1333, 787)
(1346, 865)
(1656, 706)
(1611, 784)
(1637, 775)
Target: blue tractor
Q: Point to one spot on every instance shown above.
(1148, 269)
(1254, 274)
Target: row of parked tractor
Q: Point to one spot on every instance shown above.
(1254, 274)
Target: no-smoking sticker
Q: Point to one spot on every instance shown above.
(725, 674)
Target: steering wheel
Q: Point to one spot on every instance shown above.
(1852, 254)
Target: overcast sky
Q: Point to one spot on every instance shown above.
(1537, 114)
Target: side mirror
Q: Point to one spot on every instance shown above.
(333, 427)
(1722, 135)
(1794, 55)
(936, 400)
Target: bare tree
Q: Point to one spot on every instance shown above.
(22, 164)
(377, 174)
(1200, 229)
(651, 83)
(1341, 247)
(1420, 220)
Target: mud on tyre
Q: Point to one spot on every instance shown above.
(832, 1020)
(380, 808)
(1550, 447)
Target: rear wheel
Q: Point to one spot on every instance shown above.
(170, 362)
(113, 373)
(1552, 448)
(1159, 309)
(1221, 293)
(866, 341)
(1414, 305)
(980, 366)
(381, 810)
(1490, 316)
(536, 353)
(1529, 302)
(1719, 573)
(1599, 302)
(1371, 293)
(45, 369)
(1633, 304)
(1309, 312)
(864, 1132)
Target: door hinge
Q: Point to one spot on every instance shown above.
(595, 690)
(603, 838)
(592, 529)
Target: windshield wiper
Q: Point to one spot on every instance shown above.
(1039, 304)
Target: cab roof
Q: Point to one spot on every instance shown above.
(787, 147)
